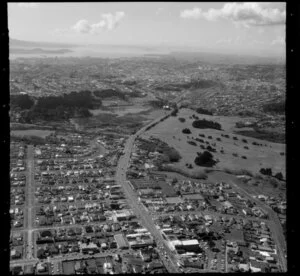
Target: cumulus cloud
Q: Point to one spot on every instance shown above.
(195, 13)
(108, 21)
(82, 26)
(247, 14)
(28, 5)
(278, 41)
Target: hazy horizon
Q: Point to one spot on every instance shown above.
(256, 29)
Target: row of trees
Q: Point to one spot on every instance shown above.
(268, 172)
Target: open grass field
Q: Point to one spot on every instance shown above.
(120, 110)
(123, 118)
(31, 132)
(257, 157)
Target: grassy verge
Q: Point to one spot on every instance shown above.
(274, 137)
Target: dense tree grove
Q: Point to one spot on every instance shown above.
(74, 104)
(206, 124)
(186, 131)
(201, 110)
(21, 101)
(205, 159)
(109, 93)
(278, 107)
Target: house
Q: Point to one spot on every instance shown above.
(121, 242)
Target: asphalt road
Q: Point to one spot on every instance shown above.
(165, 253)
(29, 200)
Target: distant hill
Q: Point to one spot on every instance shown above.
(38, 51)
(225, 58)
(15, 43)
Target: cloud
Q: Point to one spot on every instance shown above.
(280, 40)
(109, 21)
(247, 14)
(82, 26)
(28, 5)
(159, 10)
(195, 13)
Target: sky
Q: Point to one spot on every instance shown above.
(225, 27)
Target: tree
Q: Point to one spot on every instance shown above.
(174, 112)
(205, 159)
(279, 176)
(173, 155)
(266, 171)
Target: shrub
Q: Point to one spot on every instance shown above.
(244, 140)
(182, 120)
(219, 139)
(202, 135)
(186, 131)
(245, 147)
(235, 154)
(209, 148)
(200, 140)
(209, 137)
(192, 143)
(174, 112)
(244, 157)
(235, 138)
